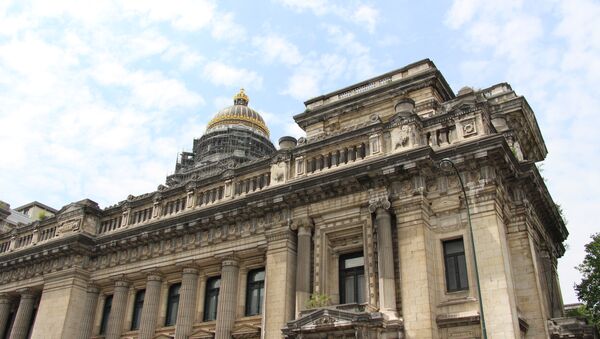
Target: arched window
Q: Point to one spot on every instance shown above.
(172, 304)
(211, 300)
(255, 290)
(138, 303)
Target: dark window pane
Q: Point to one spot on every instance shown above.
(352, 281)
(137, 309)
(349, 289)
(454, 246)
(105, 313)
(455, 264)
(255, 291)
(360, 279)
(451, 274)
(462, 271)
(172, 304)
(212, 298)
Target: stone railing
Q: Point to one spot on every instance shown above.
(252, 184)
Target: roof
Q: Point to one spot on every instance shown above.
(38, 204)
(16, 217)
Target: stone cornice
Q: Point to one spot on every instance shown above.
(266, 203)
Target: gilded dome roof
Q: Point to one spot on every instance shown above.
(239, 114)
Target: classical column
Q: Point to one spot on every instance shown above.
(227, 298)
(4, 313)
(304, 227)
(20, 327)
(187, 303)
(89, 312)
(151, 304)
(385, 256)
(117, 312)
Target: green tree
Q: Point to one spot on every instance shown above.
(588, 291)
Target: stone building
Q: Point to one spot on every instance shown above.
(352, 231)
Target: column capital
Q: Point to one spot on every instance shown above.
(380, 203)
(190, 270)
(121, 282)
(303, 225)
(26, 293)
(154, 276)
(92, 288)
(229, 259)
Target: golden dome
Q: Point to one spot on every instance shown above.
(239, 114)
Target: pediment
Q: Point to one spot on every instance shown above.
(324, 317)
(163, 336)
(245, 331)
(202, 334)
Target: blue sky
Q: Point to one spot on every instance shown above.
(97, 98)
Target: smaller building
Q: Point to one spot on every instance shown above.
(35, 210)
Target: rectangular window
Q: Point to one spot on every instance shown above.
(105, 313)
(138, 303)
(456, 265)
(172, 304)
(211, 301)
(255, 290)
(352, 278)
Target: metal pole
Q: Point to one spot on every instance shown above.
(444, 163)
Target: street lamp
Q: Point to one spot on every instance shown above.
(447, 165)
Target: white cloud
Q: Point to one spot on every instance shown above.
(187, 15)
(225, 26)
(222, 74)
(367, 16)
(550, 55)
(81, 108)
(361, 14)
(318, 7)
(275, 48)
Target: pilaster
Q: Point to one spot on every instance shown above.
(417, 278)
(493, 259)
(62, 308)
(280, 280)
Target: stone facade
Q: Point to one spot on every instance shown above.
(358, 213)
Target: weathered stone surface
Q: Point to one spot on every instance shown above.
(364, 181)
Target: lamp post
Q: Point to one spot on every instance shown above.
(448, 165)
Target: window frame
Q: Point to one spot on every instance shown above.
(251, 286)
(172, 298)
(138, 305)
(343, 272)
(455, 259)
(209, 293)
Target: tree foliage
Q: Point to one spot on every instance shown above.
(588, 291)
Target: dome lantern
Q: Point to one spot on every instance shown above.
(241, 98)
